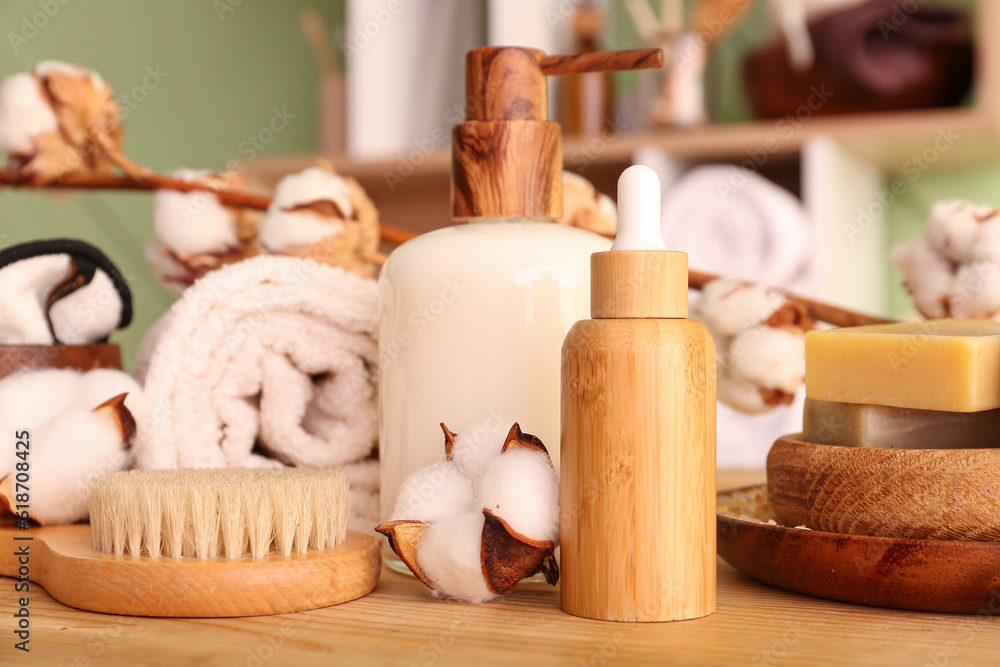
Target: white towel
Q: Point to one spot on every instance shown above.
(268, 361)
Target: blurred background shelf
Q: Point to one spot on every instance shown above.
(891, 142)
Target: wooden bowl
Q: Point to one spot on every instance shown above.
(922, 575)
(937, 494)
(14, 358)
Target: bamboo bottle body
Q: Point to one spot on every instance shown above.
(638, 470)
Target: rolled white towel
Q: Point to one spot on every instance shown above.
(268, 361)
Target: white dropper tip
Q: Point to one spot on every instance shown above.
(638, 210)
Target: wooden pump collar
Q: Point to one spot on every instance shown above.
(507, 155)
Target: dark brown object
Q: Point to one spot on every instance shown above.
(507, 155)
(869, 57)
(508, 556)
(14, 358)
(922, 575)
(449, 440)
(937, 494)
(518, 439)
(114, 409)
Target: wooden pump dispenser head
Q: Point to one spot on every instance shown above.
(637, 476)
(507, 156)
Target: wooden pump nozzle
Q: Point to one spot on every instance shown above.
(507, 155)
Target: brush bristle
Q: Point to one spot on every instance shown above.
(218, 512)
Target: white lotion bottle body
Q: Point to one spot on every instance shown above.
(472, 322)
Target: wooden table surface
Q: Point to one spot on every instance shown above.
(400, 624)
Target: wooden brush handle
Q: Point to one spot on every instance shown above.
(62, 561)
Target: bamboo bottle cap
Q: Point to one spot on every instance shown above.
(507, 155)
(638, 277)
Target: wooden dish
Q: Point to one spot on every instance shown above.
(79, 357)
(922, 575)
(938, 494)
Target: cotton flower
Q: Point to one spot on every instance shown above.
(60, 119)
(58, 297)
(760, 341)
(451, 556)
(520, 487)
(433, 493)
(470, 532)
(319, 214)
(586, 208)
(953, 270)
(195, 233)
(930, 276)
(78, 425)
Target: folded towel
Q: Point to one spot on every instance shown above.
(60, 291)
(267, 361)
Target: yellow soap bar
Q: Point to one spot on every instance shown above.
(951, 365)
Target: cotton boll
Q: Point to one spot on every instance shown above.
(728, 305)
(953, 227)
(450, 554)
(193, 222)
(24, 288)
(47, 68)
(434, 493)
(929, 276)
(987, 247)
(88, 314)
(742, 395)
(585, 207)
(976, 291)
(30, 398)
(24, 113)
(97, 386)
(285, 228)
(65, 454)
(477, 445)
(771, 358)
(521, 487)
(325, 217)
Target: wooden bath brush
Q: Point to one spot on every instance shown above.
(202, 543)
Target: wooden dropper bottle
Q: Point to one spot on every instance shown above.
(638, 432)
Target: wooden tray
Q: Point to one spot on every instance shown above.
(898, 573)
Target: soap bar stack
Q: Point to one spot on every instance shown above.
(913, 385)
(900, 437)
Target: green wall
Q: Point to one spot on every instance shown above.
(225, 73)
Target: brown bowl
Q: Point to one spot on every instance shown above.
(14, 358)
(937, 494)
(922, 575)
